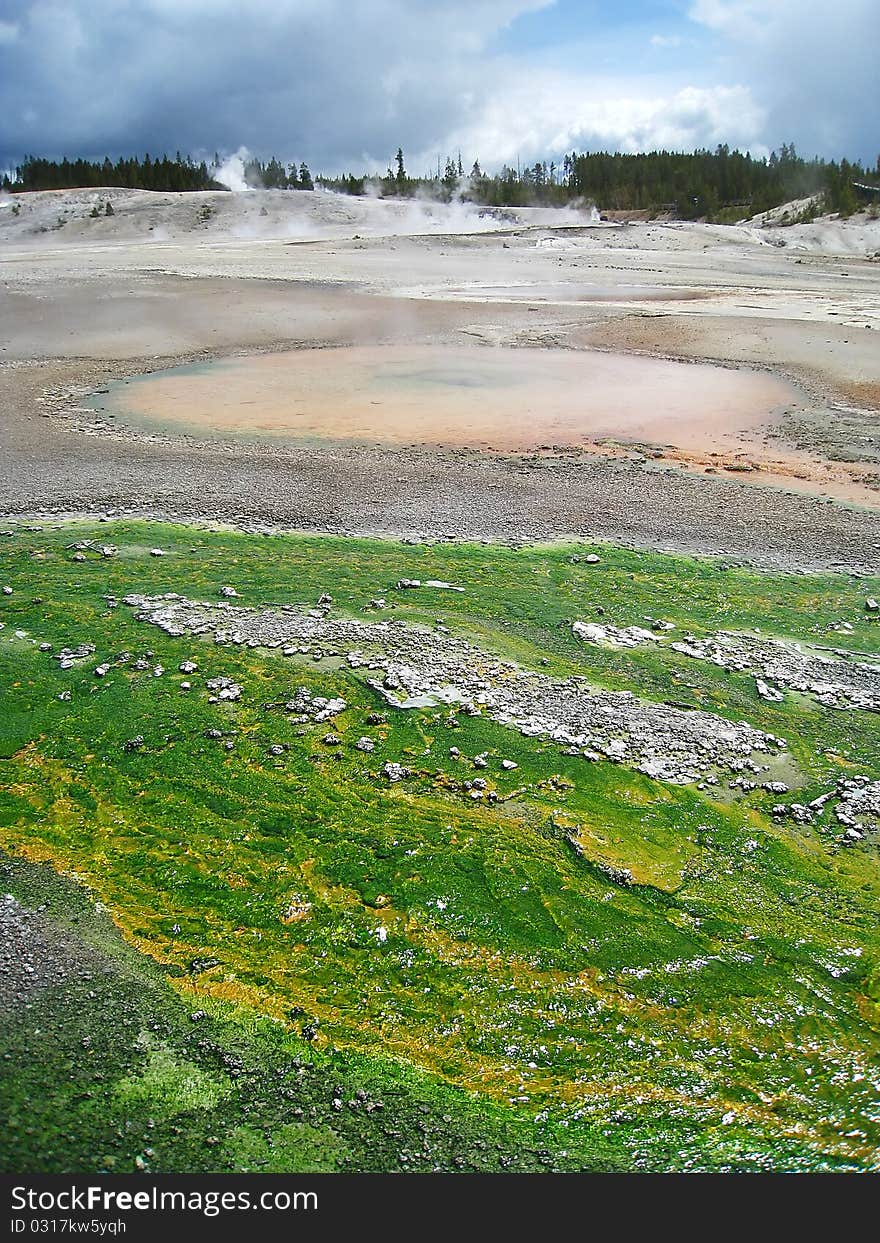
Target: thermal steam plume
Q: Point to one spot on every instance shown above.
(231, 173)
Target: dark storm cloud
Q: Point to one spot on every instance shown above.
(321, 79)
(340, 83)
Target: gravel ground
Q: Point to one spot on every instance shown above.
(35, 955)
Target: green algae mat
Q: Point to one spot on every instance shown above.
(259, 943)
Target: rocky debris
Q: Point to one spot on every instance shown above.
(592, 559)
(454, 752)
(229, 592)
(185, 686)
(377, 718)
(872, 605)
(7, 591)
(480, 761)
(365, 744)
(277, 748)
(64, 696)
(509, 765)
(440, 585)
(855, 803)
(413, 667)
(858, 809)
(224, 689)
(379, 603)
(81, 547)
(187, 666)
(327, 708)
(404, 584)
(67, 657)
(45, 647)
(394, 772)
(612, 636)
(331, 740)
(618, 876)
(800, 813)
(158, 552)
(324, 598)
(769, 693)
(101, 671)
(133, 744)
(307, 707)
(834, 679)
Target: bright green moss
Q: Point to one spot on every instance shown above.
(719, 1008)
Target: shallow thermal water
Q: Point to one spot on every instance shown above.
(579, 291)
(481, 397)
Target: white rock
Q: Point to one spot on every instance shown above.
(770, 693)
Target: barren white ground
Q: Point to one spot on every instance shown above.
(86, 300)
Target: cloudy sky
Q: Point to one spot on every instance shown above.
(340, 83)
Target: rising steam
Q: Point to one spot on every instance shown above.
(231, 172)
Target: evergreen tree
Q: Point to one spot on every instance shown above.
(450, 177)
(716, 183)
